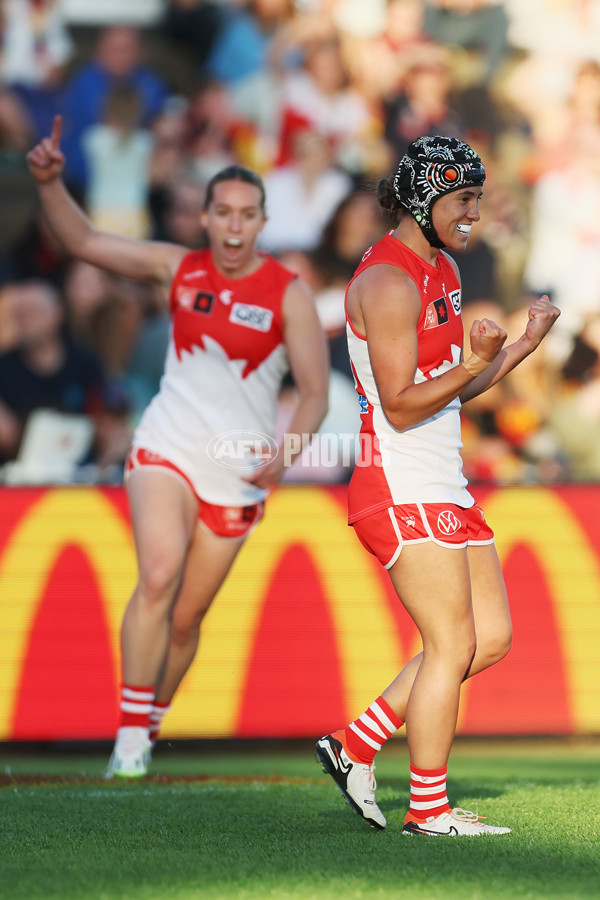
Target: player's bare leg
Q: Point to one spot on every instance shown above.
(491, 615)
(209, 560)
(434, 586)
(163, 513)
(439, 590)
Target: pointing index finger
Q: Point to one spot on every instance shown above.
(56, 132)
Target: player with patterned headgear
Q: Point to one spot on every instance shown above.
(430, 168)
(408, 499)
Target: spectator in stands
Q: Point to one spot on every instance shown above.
(423, 104)
(124, 323)
(86, 289)
(480, 25)
(146, 361)
(574, 418)
(46, 369)
(118, 153)
(177, 214)
(193, 25)
(355, 224)
(302, 195)
(564, 257)
(211, 127)
(37, 254)
(378, 60)
(242, 43)
(169, 162)
(319, 95)
(477, 271)
(36, 47)
(117, 60)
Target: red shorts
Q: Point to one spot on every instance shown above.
(385, 532)
(224, 521)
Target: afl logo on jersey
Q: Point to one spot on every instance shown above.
(256, 317)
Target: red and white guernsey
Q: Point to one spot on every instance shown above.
(225, 362)
(421, 464)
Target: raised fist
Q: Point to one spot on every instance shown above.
(486, 339)
(541, 317)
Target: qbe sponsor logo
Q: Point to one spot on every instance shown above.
(256, 317)
(242, 449)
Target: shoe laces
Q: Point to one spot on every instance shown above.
(466, 815)
(367, 774)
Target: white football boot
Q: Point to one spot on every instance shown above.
(455, 823)
(355, 780)
(131, 755)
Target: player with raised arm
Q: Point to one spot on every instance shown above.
(239, 319)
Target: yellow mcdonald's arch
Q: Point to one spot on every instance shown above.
(210, 696)
(79, 516)
(539, 518)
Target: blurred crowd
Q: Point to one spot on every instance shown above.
(321, 97)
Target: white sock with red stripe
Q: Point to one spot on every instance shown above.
(365, 737)
(136, 705)
(427, 793)
(157, 714)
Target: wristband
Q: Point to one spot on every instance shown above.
(475, 365)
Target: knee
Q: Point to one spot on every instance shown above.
(456, 652)
(186, 629)
(159, 580)
(493, 648)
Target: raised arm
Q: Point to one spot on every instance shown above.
(384, 305)
(309, 363)
(142, 260)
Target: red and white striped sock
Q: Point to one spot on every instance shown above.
(157, 714)
(136, 704)
(427, 793)
(365, 737)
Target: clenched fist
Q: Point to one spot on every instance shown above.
(541, 317)
(486, 339)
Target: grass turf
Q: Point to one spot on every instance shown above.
(284, 832)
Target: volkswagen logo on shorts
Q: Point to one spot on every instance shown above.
(448, 522)
(242, 449)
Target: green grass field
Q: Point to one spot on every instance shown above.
(261, 820)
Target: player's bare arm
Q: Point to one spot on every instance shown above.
(390, 308)
(142, 260)
(309, 364)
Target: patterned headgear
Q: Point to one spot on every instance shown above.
(430, 168)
